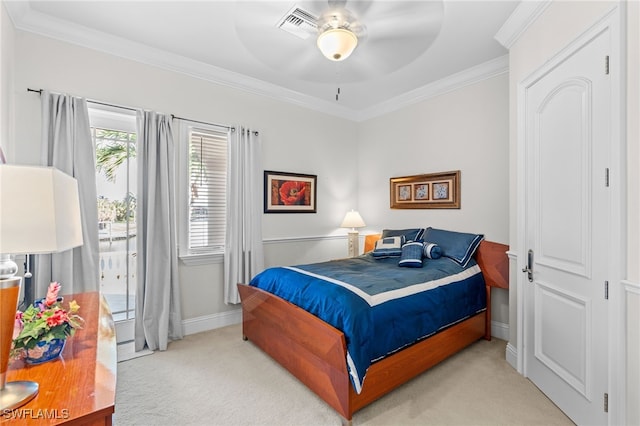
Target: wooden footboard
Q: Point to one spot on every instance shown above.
(308, 347)
(315, 352)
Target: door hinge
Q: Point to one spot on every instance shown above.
(606, 65)
(606, 177)
(606, 290)
(606, 402)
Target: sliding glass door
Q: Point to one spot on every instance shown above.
(114, 136)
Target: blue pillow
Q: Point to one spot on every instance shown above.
(389, 246)
(457, 246)
(413, 234)
(411, 256)
(432, 251)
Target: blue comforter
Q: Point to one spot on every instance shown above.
(379, 306)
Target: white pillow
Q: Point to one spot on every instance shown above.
(389, 246)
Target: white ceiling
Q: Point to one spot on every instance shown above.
(411, 48)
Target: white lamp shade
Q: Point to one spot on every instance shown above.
(39, 210)
(352, 220)
(337, 44)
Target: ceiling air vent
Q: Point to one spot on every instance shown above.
(299, 22)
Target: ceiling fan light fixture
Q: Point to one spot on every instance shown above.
(336, 44)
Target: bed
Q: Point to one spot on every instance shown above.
(322, 355)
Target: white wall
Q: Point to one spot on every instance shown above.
(466, 130)
(295, 139)
(562, 22)
(6, 82)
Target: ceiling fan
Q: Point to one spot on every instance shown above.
(388, 34)
(338, 31)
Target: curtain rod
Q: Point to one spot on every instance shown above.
(39, 91)
(233, 129)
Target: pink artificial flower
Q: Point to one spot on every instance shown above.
(18, 325)
(58, 317)
(52, 294)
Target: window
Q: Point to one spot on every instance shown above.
(207, 183)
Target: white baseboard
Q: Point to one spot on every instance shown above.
(500, 330)
(511, 353)
(211, 322)
(127, 351)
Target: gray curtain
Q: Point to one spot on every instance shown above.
(158, 316)
(244, 255)
(67, 146)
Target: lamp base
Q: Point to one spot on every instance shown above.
(8, 267)
(12, 394)
(353, 241)
(16, 394)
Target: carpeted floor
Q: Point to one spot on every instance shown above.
(216, 378)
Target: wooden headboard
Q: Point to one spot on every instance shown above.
(370, 242)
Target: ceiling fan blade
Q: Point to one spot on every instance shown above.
(412, 18)
(337, 3)
(360, 7)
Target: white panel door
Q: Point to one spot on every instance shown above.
(567, 140)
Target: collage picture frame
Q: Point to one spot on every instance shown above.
(427, 191)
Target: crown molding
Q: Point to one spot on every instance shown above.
(523, 16)
(26, 19)
(453, 82)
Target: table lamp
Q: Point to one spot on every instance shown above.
(39, 213)
(353, 220)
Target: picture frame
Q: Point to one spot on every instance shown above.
(289, 192)
(427, 191)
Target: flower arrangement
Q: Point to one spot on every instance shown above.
(45, 320)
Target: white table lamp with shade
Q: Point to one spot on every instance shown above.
(353, 220)
(39, 213)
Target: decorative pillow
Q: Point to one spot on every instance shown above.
(431, 250)
(457, 246)
(413, 234)
(411, 256)
(387, 247)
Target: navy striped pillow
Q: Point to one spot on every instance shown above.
(411, 256)
(432, 250)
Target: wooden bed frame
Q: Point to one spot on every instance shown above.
(315, 352)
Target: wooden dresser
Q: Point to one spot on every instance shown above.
(80, 387)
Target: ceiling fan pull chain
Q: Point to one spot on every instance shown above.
(338, 66)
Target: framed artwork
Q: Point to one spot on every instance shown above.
(430, 191)
(289, 192)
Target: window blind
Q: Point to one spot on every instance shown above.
(208, 183)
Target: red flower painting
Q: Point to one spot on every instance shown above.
(293, 192)
(289, 192)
